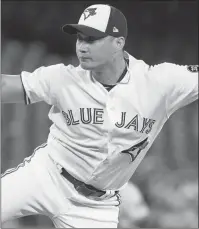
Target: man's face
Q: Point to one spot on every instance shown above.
(93, 53)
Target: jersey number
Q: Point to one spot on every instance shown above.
(135, 150)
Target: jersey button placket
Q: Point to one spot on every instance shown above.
(110, 108)
(111, 101)
(106, 126)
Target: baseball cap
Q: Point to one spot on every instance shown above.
(100, 20)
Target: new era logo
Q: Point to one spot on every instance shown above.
(115, 30)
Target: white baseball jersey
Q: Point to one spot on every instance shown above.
(99, 136)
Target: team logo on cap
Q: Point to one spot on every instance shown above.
(89, 12)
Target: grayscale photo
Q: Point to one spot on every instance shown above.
(99, 114)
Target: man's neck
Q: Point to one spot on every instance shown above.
(110, 73)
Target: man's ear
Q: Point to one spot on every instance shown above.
(120, 42)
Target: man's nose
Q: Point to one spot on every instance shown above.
(83, 47)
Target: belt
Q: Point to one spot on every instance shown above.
(81, 187)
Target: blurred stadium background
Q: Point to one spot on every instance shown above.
(166, 182)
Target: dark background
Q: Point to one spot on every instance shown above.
(158, 31)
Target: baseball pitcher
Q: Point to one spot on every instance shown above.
(106, 114)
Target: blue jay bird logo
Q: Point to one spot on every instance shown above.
(89, 12)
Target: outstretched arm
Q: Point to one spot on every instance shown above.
(178, 82)
(43, 84)
(12, 90)
(29, 88)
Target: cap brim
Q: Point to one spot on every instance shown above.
(88, 31)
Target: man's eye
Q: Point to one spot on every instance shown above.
(87, 39)
(92, 38)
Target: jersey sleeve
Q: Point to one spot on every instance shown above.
(179, 83)
(40, 85)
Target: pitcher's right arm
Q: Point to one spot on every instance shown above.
(43, 84)
(12, 90)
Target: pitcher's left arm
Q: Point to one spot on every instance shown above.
(179, 83)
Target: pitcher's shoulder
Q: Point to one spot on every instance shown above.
(71, 71)
(135, 62)
(167, 68)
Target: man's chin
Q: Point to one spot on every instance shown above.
(86, 66)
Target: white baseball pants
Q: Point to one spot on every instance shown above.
(37, 187)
